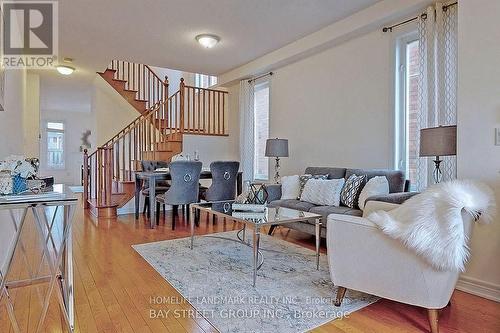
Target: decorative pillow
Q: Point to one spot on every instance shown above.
(323, 192)
(350, 192)
(376, 186)
(290, 187)
(304, 178)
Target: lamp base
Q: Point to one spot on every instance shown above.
(277, 171)
(437, 174)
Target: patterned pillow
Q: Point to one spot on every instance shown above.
(350, 191)
(323, 192)
(304, 178)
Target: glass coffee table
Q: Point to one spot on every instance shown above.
(257, 220)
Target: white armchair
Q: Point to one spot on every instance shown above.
(363, 258)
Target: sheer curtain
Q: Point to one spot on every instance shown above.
(247, 129)
(437, 29)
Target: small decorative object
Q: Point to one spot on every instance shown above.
(5, 183)
(248, 207)
(18, 169)
(35, 185)
(438, 141)
(85, 140)
(258, 194)
(196, 156)
(277, 148)
(18, 184)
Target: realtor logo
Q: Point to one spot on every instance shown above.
(29, 34)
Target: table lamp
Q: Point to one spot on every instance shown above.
(277, 148)
(438, 141)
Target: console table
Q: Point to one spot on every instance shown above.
(51, 211)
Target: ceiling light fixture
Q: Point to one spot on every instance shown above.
(65, 70)
(207, 41)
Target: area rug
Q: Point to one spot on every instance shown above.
(216, 279)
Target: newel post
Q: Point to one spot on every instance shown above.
(181, 105)
(85, 179)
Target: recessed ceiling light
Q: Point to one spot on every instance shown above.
(207, 41)
(65, 70)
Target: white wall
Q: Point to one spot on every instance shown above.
(31, 116)
(335, 106)
(75, 124)
(11, 120)
(478, 116)
(174, 77)
(12, 142)
(110, 111)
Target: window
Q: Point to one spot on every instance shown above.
(55, 145)
(204, 81)
(261, 132)
(407, 75)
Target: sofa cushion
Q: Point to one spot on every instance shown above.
(293, 204)
(350, 191)
(290, 187)
(303, 179)
(378, 185)
(327, 210)
(396, 178)
(323, 191)
(333, 173)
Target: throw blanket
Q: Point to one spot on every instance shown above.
(431, 224)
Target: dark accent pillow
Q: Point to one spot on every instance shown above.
(304, 178)
(350, 192)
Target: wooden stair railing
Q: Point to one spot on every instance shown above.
(137, 83)
(156, 134)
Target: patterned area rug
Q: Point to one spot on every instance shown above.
(216, 278)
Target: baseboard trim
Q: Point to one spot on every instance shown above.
(479, 288)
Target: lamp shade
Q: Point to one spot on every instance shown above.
(277, 147)
(438, 141)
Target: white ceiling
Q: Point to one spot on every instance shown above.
(161, 32)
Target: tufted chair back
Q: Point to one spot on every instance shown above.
(185, 178)
(223, 186)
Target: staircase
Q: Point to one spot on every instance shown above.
(156, 134)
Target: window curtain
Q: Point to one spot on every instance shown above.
(247, 129)
(437, 29)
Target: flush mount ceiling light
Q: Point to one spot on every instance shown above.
(207, 41)
(65, 70)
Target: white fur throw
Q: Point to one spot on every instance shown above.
(431, 224)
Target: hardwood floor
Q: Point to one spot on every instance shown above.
(114, 287)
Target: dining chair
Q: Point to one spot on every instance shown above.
(224, 177)
(161, 185)
(184, 189)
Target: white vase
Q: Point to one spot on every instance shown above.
(6, 183)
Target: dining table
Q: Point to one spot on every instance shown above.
(153, 177)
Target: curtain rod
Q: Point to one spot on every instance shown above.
(260, 76)
(423, 16)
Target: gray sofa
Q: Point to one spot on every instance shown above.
(398, 189)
